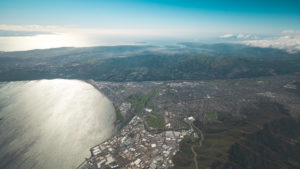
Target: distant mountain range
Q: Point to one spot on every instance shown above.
(184, 61)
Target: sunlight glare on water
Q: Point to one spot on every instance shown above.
(51, 123)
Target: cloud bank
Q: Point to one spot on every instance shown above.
(288, 43)
(27, 37)
(288, 40)
(239, 36)
(7, 33)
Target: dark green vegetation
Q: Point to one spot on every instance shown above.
(118, 113)
(155, 121)
(141, 100)
(138, 101)
(184, 158)
(212, 115)
(148, 63)
(277, 145)
(266, 137)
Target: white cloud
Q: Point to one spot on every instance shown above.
(291, 32)
(287, 42)
(227, 36)
(25, 37)
(177, 33)
(238, 36)
(18, 37)
(35, 28)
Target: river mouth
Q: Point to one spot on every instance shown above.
(51, 123)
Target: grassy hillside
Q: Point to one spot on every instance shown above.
(266, 138)
(145, 63)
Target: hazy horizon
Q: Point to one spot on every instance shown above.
(27, 25)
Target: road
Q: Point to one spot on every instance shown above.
(200, 144)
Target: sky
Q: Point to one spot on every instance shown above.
(105, 22)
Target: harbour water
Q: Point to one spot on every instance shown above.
(51, 123)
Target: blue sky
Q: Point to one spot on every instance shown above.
(243, 16)
(169, 18)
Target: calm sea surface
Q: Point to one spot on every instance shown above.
(51, 124)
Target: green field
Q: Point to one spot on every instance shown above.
(155, 121)
(236, 143)
(212, 115)
(141, 100)
(119, 116)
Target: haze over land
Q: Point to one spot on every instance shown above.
(182, 61)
